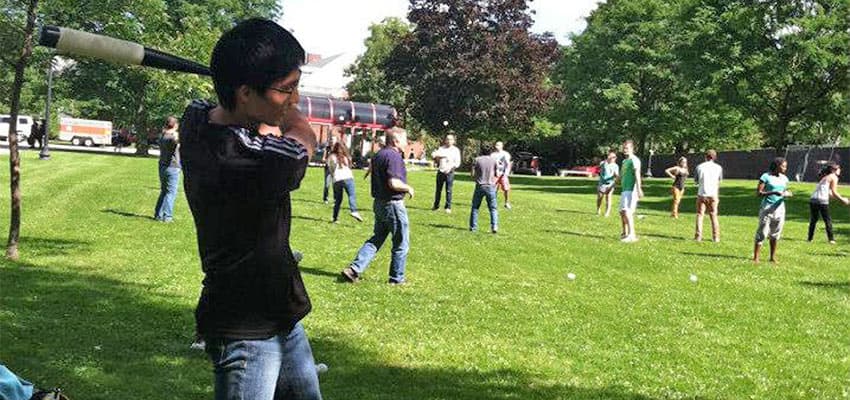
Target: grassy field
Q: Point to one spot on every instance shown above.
(101, 302)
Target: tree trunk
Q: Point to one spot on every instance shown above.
(14, 156)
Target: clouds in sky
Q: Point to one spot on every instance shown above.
(329, 27)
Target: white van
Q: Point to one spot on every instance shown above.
(24, 127)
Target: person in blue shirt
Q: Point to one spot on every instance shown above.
(773, 189)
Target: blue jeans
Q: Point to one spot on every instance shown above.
(448, 180)
(348, 186)
(281, 367)
(169, 179)
(489, 193)
(390, 218)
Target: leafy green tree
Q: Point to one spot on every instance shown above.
(370, 83)
(475, 66)
(782, 62)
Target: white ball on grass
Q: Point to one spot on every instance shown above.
(571, 276)
(694, 278)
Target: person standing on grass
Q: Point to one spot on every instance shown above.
(389, 187)
(339, 162)
(679, 173)
(708, 176)
(609, 171)
(329, 180)
(503, 169)
(773, 189)
(238, 184)
(826, 188)
(447, 158)
(632, 191)
(485, 174)
(169, 172)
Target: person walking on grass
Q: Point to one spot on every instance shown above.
(632, 191)
(339, 163)
(679, 173)
(447, 158)
(485, 174)
(389, 188)
(826, 189)
(329, 179)
(609, 171)
(238, 183)
(169, 172)
(773, 189)
(503, 170)
(708, 176)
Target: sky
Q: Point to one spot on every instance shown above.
(329, 27)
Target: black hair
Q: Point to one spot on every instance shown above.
(256, 52)
(830, 168)
(486, 149)
(774, 165)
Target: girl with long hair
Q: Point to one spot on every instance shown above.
(819, 202)
(339, 165)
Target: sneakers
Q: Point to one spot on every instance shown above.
(356, 215)
(198, 344)
(448, 211)
(508, 206)
(298, 256)
(494, 230)
(396, 283)
(350, 275)
(629, 239)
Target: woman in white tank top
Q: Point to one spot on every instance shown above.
(819, 202)
(339, 166)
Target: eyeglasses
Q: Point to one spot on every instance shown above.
(285, 90)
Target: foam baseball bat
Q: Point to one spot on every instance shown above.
(79, 43)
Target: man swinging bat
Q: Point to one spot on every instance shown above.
(238, 185)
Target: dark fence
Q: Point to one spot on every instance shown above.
(803, 163)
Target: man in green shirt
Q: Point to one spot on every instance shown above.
(631, 192)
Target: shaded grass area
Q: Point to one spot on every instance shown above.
(102, 300)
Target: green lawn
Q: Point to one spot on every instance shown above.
(101, 303)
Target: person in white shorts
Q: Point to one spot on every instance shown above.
(773, 189)
(631, 192)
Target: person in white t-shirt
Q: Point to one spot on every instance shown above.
(339, 164)
(447, 158)
(708, 176)
(503, 169)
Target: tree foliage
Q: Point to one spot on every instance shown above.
(134, 97)
(692, 74)
(370, 83)
(474, 65)
(784, 63)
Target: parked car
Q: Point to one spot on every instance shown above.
(24, 126)
(527, 164)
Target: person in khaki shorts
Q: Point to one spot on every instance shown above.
(708, 176)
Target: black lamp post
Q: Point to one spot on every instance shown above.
(44, 154)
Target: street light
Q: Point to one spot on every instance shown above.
(44, 154)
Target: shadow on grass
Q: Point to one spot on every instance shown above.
(127, 214)
(710, 255)
(91, 336)
(52, 246)
(355, 374)
(444, 226)
(317, 272)
(840, 286)
(314, 219)
(579, 212)
(584, 235)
